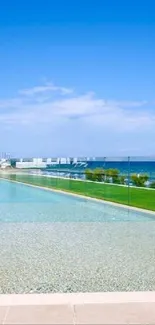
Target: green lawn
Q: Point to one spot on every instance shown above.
(137, 197)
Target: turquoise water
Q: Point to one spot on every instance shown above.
(22, 203)
(53, 242)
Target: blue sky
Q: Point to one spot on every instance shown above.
(77, 78)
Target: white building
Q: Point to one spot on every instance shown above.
(44, 162)
(31, 163)
(4, 163)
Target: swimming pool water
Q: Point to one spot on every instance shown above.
(54, 242)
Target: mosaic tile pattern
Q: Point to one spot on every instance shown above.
(58, 243)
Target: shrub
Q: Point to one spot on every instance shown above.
(139, 180)
(122, 180)
(152, 185)
(98, 175)
(114, 174)
(89, 174)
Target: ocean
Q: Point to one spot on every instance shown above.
(77, 170)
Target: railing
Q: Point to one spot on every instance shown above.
(129, 181)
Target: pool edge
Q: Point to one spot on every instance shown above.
(78, 308)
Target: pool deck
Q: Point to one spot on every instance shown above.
(79, 308)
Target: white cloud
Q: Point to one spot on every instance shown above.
(73, 124)
(129, 104)
(97, 111)
(48, 87)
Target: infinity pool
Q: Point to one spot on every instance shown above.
(53, 242)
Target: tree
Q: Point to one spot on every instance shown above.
(114, 174)
(89, 174)
(98, 175)
(139, 180)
